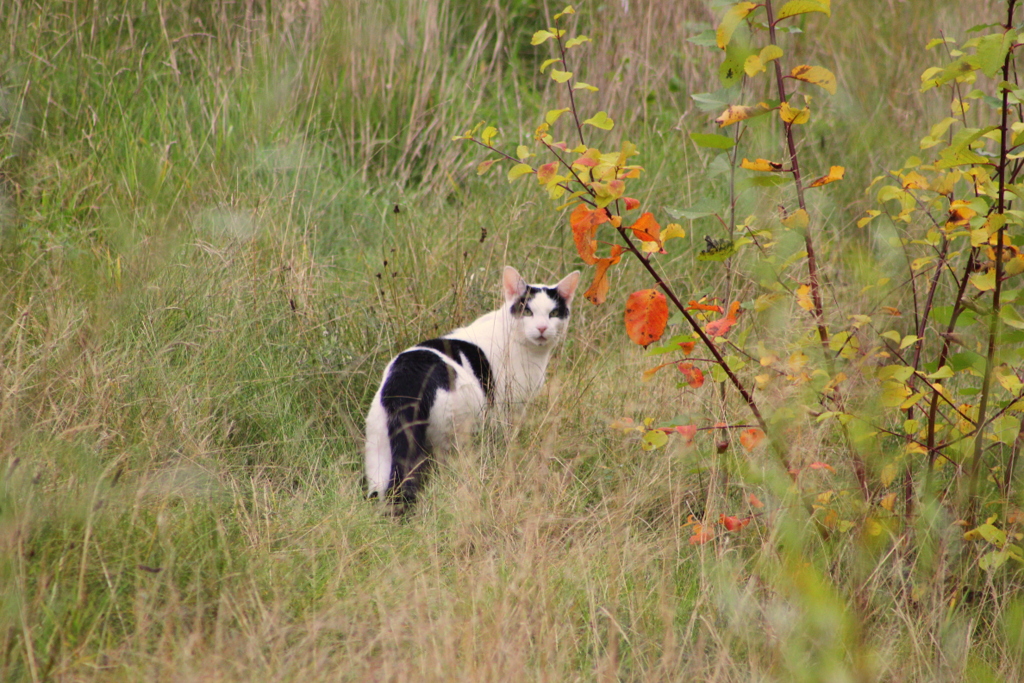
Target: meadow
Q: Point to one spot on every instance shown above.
(219, 220)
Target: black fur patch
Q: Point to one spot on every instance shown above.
(462, 351)
(522, 304)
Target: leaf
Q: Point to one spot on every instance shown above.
(760, 165)
(888, 501)
(546, 172)
(992, 560)
(647, 229)
(485, 166)
(720, 327)
(798, 220)
(631, 203)
(795, 7)
(523, 152)
(554, 115)
(984, 281)
(650, 372)
(694, 376)
(559, 76)
(672, 230)
(541, 37)
(578, 40)
(584, 222)
(490, 132)
(687, 432)
(698, 306)
(646, 316)
(738, 112)
(713, 140)
(733, 523)
(821, 466)
(548, 62)
(794, 116)
(817, 75)
(731, 21)
(803, 297)
(992, 51)
(750, 438)
(754, 501)
(518, 171)
(600, 120)
(568, 10)
(834, 173)
(580, 85)
(888, 474)
(653, 440)
(700, 536)
(597, 293)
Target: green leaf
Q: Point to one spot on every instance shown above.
(600, 120)
(654, 440)
(992, 560)
(518, 171)
(992, 50)
(553, 115)
(541, 36)
(703, 208)
(795, 7)
(713, 140)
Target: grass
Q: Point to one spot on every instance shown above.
(218, 222)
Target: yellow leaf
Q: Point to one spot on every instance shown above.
(871, 215)
(649, 373)
(540, 37)
(872, 527)
(548, 62)
(760, 165)
(560, 76)
(753, 65)
(798, 220)
(834, 173)
(490, 132)
(578, 40)
(554, 115)
(579, 85)
(817, 75)
(770, 52)
(568, 10)
(518, 171)
(888, 474)
(984, 281)
(794, 7)
(735, 113)
(803, 297)
(731, 21)
(794, 116)
(888, 501)
(672, 230)
(523, 152)
(485, 166)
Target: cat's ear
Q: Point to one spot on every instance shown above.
(512, 284)
(567, 287)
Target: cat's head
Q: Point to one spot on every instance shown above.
(541, 312)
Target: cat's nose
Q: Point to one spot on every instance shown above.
(542, 329)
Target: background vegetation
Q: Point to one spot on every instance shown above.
(220, 219)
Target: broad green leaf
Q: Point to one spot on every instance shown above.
(553, 115)
(601, 120)
(541, 36)
(713, 140)
(795, 7)
(518, 171)
(548, 62)
(992, 560)
(992, 50)
(654, 440)
(731, 21)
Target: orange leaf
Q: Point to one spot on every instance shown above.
(546, 172)
(700, 535)
(821, 466)
(584, 222)
(688, 432)
(718, 328)
(698, 306)
(750, 438)
(647, 229)
(694, 376)
(733, 523)
(835, 173)
(646, 316)
(687, 347)
(598, 290)
(754, 501)
(631, 203)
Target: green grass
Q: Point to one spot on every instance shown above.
(220, 220)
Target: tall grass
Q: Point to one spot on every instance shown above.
(218, 222)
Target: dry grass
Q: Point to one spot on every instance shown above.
(204, 272)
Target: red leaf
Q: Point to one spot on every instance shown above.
(687, 347)
(733, 523)
(754, 501)
(547, 172)
(631, 203)
(598, 291)
(751, 437)
(698, 306)
(700, 536)
(720, 327)
(694, 376)
(584, 222)
(688, 432)
(647, 229)
(646, 316)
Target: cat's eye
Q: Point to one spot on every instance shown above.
(527, 313)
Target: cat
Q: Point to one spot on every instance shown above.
(433, 394)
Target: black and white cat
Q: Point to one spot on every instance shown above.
(433, 393)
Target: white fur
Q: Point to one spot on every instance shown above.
(518, 350)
